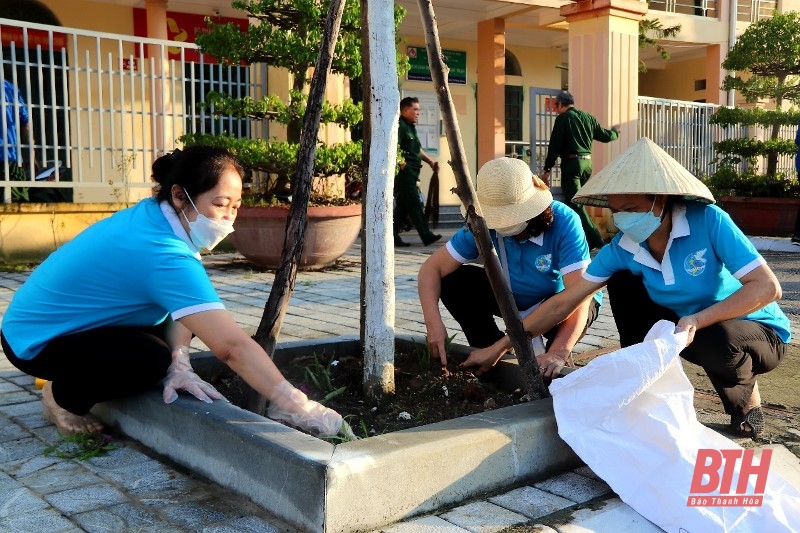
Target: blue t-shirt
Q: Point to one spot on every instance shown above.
(706, 256)
(535, 266)
(130, 269)
(10, 139)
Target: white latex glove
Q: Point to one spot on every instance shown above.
(289, 404)
(181, 376)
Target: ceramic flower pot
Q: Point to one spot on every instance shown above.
(770, 217)
(260, 233)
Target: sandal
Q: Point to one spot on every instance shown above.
(754, 418)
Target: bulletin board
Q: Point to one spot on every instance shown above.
(428, 125)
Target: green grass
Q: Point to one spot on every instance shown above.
(81, 446)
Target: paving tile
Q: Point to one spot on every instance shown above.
(172, 488)
(124, 517)
(21, 379)
(18, 501)
(57, 476)
(34, 420)
(127, 455)
(78, 500)
(14, 450)
(14, 398)
(425, 524)
(197, 515)
(483, 517)
(585, 471)
(574, 487)
(21, 409)
(10, 431)
(613, 516)
(249, 524)
(39, 521)
(9, 386)
(531, 502)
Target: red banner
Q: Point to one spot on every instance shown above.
(182, 27)
(13, 34)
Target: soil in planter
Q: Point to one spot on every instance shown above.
(424, 394)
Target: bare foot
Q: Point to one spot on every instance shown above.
(67, 423)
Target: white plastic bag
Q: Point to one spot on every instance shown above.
(630, 417)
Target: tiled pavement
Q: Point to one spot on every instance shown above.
(132, 490)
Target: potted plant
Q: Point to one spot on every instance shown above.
(287, 38)
(759, 203)
(766, 59)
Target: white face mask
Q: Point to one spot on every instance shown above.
(510, 231)
(206, 232)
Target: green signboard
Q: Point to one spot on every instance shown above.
(420, 71)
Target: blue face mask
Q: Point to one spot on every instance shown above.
(638, 226)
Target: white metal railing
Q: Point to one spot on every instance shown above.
(104, 106)
(682, 129)
(755, 10)
(700, 8)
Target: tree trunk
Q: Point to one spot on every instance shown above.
(366, 134)
(508, 308)
(283, 285)
(378, 267)
(772, 157)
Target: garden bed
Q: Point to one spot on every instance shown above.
(424, 394)
(351, 486)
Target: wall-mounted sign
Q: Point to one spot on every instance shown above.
(12, 34)
(420, 71)
(182, 27)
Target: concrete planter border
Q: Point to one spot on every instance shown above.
(354, 486)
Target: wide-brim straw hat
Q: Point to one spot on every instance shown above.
(508, 193)
(644, 168)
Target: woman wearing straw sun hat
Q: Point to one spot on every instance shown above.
(678, 257)
(542, 249)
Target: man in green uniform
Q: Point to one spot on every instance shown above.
(408, 203)
(571, 140)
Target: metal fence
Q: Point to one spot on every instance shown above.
(103, 106)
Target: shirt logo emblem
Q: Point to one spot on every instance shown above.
(695, 263)
(544, 262)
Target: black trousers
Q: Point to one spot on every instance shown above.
(733, 352)
(98, 365)
(409, 205)
(468, 296)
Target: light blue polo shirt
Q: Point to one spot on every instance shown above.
(131, 269)
(535, 266)
(706, 256)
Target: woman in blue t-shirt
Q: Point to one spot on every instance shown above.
(542, 249)
(678, 258)
(112, 312)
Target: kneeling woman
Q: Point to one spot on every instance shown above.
(111, 313)
(678, 258)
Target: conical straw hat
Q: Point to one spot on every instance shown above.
(644, 168)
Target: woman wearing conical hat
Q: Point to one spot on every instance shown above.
(681, 258)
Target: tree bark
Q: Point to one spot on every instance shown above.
(283, 285)
(378, 267)
(534, 384)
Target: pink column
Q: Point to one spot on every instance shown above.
(714, 75)
(491, 90)
(157, 29)
(604, 74)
